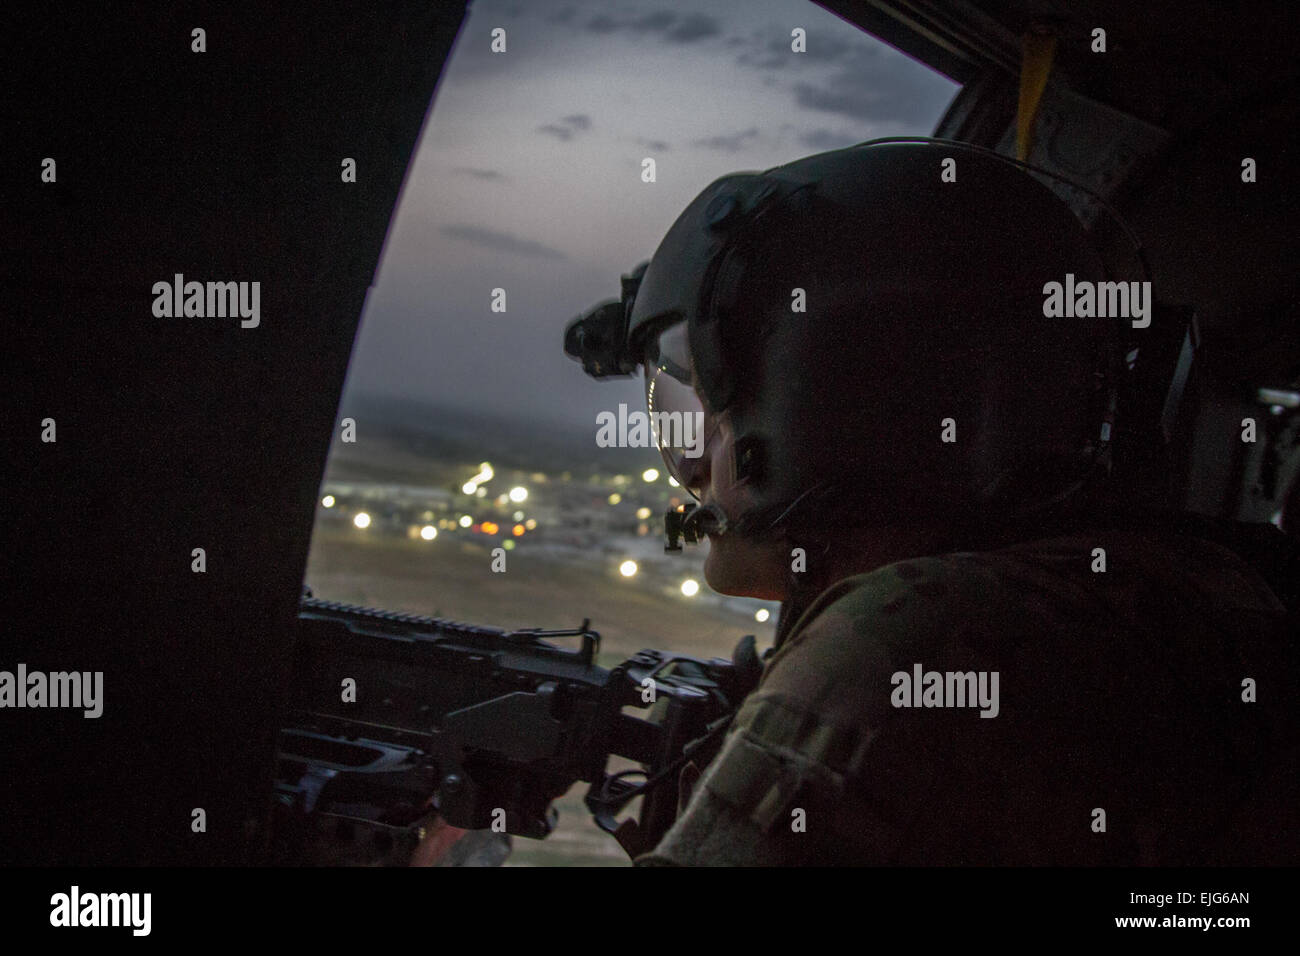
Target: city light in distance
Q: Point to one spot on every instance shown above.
(518, 493)
(650, 474)
(428, 532)
(361, 520)
(466, 521)
(627, 568)
(530, 524)
(328, 501)
(517, 530)
(643, 513)
(519, 516)
(615, 498)
(690, 587)
(490, 527)
(761, 615)
(469, 488)
(481, 493)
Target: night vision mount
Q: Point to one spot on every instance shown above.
(598, 338)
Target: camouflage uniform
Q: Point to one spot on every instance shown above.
(1119, 690)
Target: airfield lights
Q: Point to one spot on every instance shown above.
(649, 475)
(627, 568)
(327, 501)
(518, 494)
(428, 532)
(761, 615)
(466, 521)
(361, 520)
(690, 587)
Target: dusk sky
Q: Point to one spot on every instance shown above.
(528, 176)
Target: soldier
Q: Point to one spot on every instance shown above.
(982, 657)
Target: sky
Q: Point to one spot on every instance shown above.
(527, 177)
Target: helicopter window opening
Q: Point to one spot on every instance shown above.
(470, 484)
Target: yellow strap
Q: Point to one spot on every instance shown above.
(1039, 48)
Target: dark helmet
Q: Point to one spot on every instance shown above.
(922, 301)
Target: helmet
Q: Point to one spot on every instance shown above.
(874, 330)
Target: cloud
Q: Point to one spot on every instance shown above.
(655, 22)
(767, 52)
(491, 175)
(824, 139)
(696, 26)
(727, 143)
(502, 242)
(670, 27)
(872, 86)
(567, 127)
(602, 24)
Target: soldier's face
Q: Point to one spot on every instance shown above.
(742, 565)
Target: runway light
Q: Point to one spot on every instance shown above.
(518, 493)
(469, 488)
(690, 587)
(428, 532)
(643, 513)
(627, 568)
(761, 615)
(530, 524)
(362, 520)
(615, 498)
(517, 530)
(328, 501)
(466, 521)
(650, 474)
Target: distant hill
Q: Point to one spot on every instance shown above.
(455, 435)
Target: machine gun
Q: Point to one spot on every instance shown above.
(395, 717)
